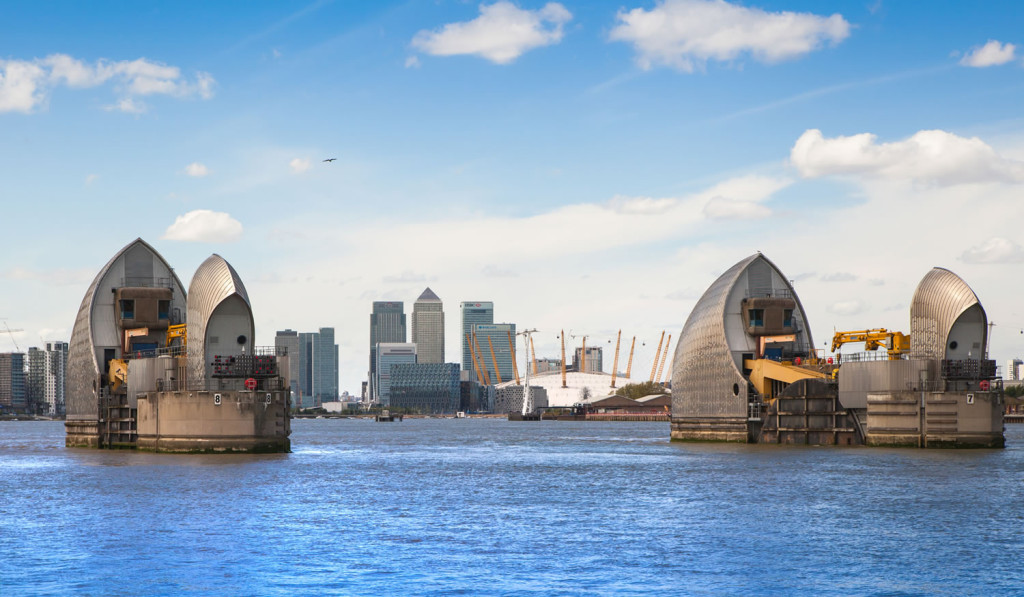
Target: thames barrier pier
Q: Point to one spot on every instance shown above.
(745, 370)
(153, 368)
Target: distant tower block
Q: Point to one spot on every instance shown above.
(428, 327)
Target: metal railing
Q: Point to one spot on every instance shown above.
(968, 369)
(173, 351)
(146, 282)
(766, 293)
(868, 355)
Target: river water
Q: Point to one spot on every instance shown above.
(485, 506)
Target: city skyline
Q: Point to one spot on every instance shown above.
(589, 167)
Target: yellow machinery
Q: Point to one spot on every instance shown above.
(117, 374)
(176, 332)
(896, 343)
(117, 369)
(771, 377)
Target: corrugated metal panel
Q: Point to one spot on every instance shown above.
(706, 381)
(82, 390)
(759, 278)
(213, 283)
(941, 297)
(858, 379)
(703, 368)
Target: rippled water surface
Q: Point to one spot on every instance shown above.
(478, 506)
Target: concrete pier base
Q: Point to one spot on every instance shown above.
(82, 433)
(710, 429)
(228, 421)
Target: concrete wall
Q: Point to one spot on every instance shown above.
(195, 422)
(936, 419)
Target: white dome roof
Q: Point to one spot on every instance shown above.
(598, 383)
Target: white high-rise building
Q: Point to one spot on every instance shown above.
(56, 372)
(1014, 368)
(45, 381)
(428, 328)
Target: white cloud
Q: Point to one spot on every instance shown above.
(91, 179)
(127, 105)
(407, 276)
(846, 308)
(501, 33)
(412, 62)
(494, 271)
(204, 226)
(20, 86)
(995, 250)
(59, 276)
(196, 169)
(685, 34)
(26, 84)
(723, 208)
(300, 165)
(839, 277)
(928, 156)
(641, 205)
(992, 53)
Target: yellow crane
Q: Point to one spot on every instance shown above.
(897, 343)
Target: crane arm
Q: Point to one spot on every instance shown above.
(896, 343)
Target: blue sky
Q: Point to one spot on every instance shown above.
(587, 166)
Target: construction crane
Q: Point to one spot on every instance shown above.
(896, 343)
(11, 333)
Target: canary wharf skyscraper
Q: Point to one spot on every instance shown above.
(387, 324)
(428, 328)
